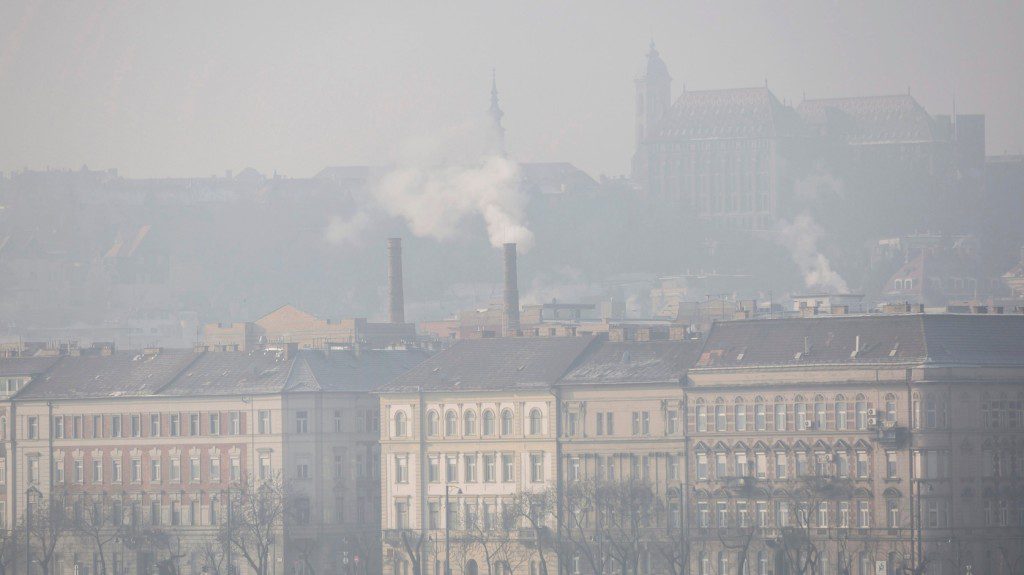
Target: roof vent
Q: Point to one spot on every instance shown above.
(856, 347)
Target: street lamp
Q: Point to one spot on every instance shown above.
(447, 526)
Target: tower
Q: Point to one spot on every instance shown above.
(496, 114)
(653, 96)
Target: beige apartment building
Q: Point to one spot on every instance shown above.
(157, 441)
(851, 445)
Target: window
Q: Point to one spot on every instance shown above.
(433, 515)
(740, 418)
(762, 513)
(573, 471)
(451, 424)
(801, 464)
(339, 421)
(890, 411)
(506, 422)
(434, 469)
(401, 425)
(672, 468)
(235, 423)
(702, 420)
(58, 427)
(115, 426)
(432, 424)
(863, 515)
(136, 470)
(235, 469)
(841, 415)
(264, 422)
(842, 464)
(265, 470)
(600, 424)
(490, 471)
(451, 469)
(58, 470)
(721, 465)
(759, 417)
(154, 471)
(469, 423)
(862, 465)
(892, 513)
(641, 423)
(302, 422)
(740, 463)
(536, 423)
(193, 424)
(761, 461)
(891, 465)
(822, 518)
(935, 465)
(782, 513)
(720, 421)
(97, 426)
(488, 423)
(672, 422)
(115, 470)
(819, 415)
(136, 425)
(703, 514)
(77, 471)
(33, 427)
(469, 466)
(780, 417)
(214, 468)
(401, 469)
(507, 468)
(861, 408)
(802, 423)
(154, 425)
(536, 467)
(97, 471)
(194, 470)
(401, 515)
(780, 465)
(702, 466)
(214, 424)
(175, 424)
(571, 423)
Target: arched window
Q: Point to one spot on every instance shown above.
(703, 564)
(488, 422)
(506, 422)
(536, 422)
(762, 563)
(759, 417)
(723, 562)
(432, 423)
(865, 564)
(3, 428)
(451, 422)
(469, 423)
(401, 427)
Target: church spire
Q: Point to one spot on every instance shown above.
(496, 114)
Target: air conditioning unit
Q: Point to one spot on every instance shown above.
(824, 458)
(871, 413)
(889, 424)
(872, 421)
(808, 425)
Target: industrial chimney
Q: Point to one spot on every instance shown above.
(396, 295)
(511, 302)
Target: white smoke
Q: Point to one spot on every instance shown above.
(439, 182)
(348, 230)
(801, 239)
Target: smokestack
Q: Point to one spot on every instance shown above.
(396, 295)
(511, 291)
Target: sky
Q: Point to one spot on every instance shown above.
(197, 88)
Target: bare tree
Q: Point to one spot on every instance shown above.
(583, 528)
(255, 515)
(413, 545)
(9, 539)
(214, 559)
(534, 510)
(47, 524)
(100, 523)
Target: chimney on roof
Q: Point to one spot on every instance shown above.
(511, 299)
(396, 295)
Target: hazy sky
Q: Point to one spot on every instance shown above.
(195, 88)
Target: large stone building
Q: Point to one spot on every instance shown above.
(848, 445)
(158, 443)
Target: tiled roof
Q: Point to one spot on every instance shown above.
(871, 119)
(884, 339)
(179, 373)
(495, 364)
(717, 114)
(10, 366)
(635, 362)
(123, 373)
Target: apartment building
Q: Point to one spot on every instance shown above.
(847, 445)
(156, 442)
(470, 432)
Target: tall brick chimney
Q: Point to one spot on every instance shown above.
(396, 295)
(511, 300)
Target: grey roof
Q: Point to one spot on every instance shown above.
(870, 119)
(635, 362)
(731, 113)
(11, 366)
(179, 373)
(884, 339)
(495, 364)
(123, 373)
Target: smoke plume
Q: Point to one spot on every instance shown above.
(438, 183)
(801, 237)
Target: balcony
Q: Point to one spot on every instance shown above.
(892, 437)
